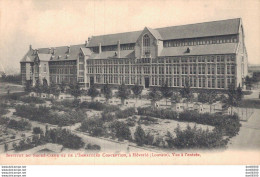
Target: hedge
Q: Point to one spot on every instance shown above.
(125, 113)
(45, 115)
(99, 106)
(21, 125)
(194, 138)
(228, 124)
(35, 100)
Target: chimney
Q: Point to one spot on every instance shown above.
(118, 49)
(68, 49)
(49, 50)
(100, 48)
(30, 47)
(86, 43)
(54, 51)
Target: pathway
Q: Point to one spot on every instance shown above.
(249, 134)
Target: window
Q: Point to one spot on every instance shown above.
(45, 68)
(81, 66)
(146, 44)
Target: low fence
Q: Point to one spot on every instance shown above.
(243, 113)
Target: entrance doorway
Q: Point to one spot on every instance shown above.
(91, 81)
(146, 82)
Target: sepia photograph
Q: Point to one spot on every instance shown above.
(129, 82)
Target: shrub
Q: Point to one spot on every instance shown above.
(160, 113)
(194, 138)
(92, 105)
(17, 125)
(149, 139)
(228, 124)
(148, 118)
(23, 145)
(139, 136)
(107, 117)
(92, 147)
(93, 126)
(67, 103)
(65, 138)
(37, 130)
(3, 109)
(130, 122)
(45, 115)
(121, 130)
(4, 120)
(125, 113)
(13, 97)
(35, 100)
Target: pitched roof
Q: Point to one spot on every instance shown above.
(28, 57)
(44, 57)
(111, 39)
(86, 51)
(214, 28)
(224, 48)
(155, 33)
(111, 54)
(61, 53)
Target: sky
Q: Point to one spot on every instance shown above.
(52, 23)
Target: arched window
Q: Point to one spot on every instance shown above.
(146, 45)
(146, 40)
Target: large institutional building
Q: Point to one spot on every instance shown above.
(210, 55)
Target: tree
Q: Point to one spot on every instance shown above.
(239, 93)
(208, 97)
(37, 87)
(248, 82)
(154, 96)
(63, 86)
(234, 96)
(6, 147)
(166, 91)
(107, 92)
(137, 90)
(45, 87)
(37, 130)
(121, 130)
(186, 91)
(28, 86)
(175, 98)
(139, 136)
(123, 93)
(54, 89)
(75, 90)
(93, 92)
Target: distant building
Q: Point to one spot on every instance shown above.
(210, 55)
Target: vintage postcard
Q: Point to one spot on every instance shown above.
(130, 82)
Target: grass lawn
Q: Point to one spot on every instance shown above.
(12, 87)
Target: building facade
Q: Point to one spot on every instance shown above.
(209, 55)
